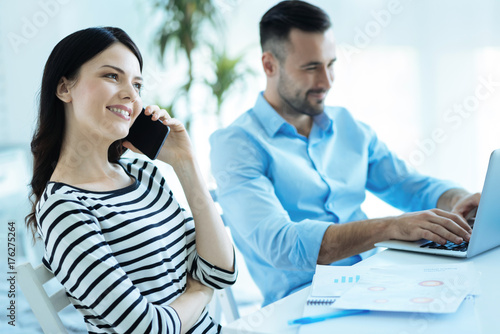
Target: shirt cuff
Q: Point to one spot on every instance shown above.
(211, 275)
(437, 192)
(310, 234)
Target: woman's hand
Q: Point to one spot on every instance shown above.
(212, 241)
(194, 286)
(177, 147)
(191, 303)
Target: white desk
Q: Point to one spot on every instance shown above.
(273, 318)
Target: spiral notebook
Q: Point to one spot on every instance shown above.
(329, 283)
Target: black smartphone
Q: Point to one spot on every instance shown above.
(148, 135)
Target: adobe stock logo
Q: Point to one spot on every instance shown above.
(30, 27)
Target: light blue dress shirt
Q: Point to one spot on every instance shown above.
(280, 191)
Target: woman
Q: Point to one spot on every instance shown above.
(114, 235)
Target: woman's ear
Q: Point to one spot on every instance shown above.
(63, 92)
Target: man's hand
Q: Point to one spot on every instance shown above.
(467, 206)
(447, 223)
(436, 225)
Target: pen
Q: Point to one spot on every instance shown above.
(318, 318)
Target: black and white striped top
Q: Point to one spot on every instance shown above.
(123, 255)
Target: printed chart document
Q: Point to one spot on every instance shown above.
(330, 282)
(337, 288)
(423, 288)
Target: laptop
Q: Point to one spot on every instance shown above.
(486, 228)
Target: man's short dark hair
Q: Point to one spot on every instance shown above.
(277, 22)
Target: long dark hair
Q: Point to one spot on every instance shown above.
(65, 61)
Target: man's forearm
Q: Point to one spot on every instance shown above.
(345, 240)
(449, 199)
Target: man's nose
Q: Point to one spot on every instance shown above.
(325, 78)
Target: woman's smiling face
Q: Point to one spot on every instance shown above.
(105, 97)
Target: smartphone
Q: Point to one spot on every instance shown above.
(148, 135)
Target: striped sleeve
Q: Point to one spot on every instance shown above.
(204, 271)
(83, 262)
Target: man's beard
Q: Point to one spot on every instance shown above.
(299, 103)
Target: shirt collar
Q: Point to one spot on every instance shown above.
(324, 122)
(272, 122)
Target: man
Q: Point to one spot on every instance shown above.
(292, 173)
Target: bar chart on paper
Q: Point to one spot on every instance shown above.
(333, 281)
(346, 279)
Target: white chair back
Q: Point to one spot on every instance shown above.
(228, 304)
(45, 307)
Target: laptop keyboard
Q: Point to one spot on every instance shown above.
(449, 245)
